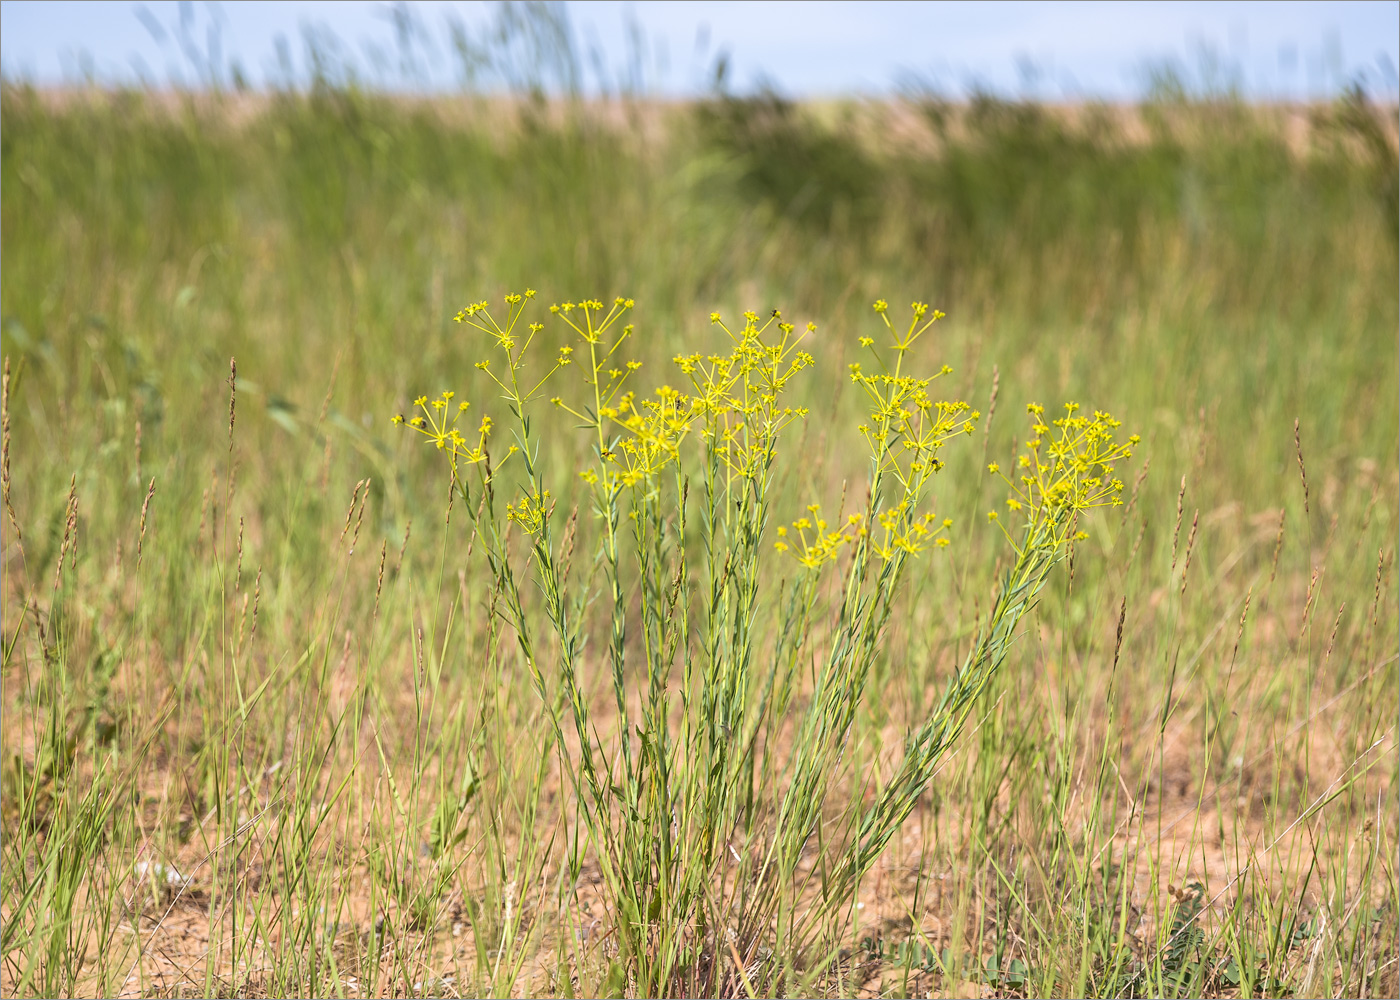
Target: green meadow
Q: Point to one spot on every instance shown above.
(291, 708)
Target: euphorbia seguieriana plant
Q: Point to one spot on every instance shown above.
(704, 821)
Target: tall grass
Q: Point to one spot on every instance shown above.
(257, 741)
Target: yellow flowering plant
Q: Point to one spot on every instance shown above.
(693, 800)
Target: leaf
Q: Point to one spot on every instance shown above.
(615, 985)
(1016, 973)
(1230, 973)
(282, 413)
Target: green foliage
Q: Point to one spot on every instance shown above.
(803, 171)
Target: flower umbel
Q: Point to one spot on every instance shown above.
(738, 396)
(437, 421)
(1065, 470)
(907, 428)
(529, 511)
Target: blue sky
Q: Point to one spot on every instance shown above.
(1051, 50)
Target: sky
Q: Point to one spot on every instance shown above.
(1066, 50)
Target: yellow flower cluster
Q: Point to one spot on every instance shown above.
(736, 404)
(592, 328)
(737, 395)
(636, 438)
(902, 532)
(438, 419)
(505, 335)
(907, 428)
(813, 543)
(529, 511)
(905, 431)
(1067, 470)
(655, 429)
(437, 422)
